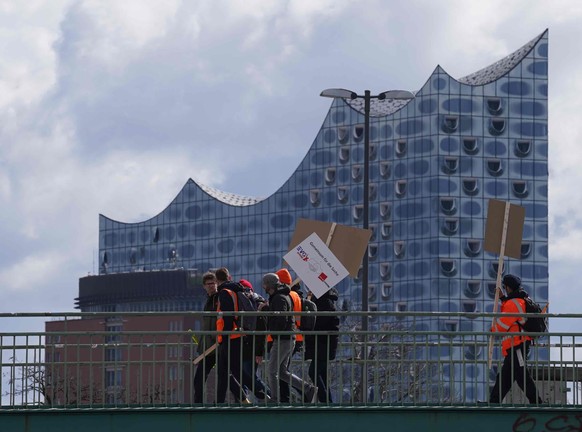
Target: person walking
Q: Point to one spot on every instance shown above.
(322, 347)
(514, 348)
(206, 340)
(283, 344)
(253, 348)
(229, 345)
(296, 298)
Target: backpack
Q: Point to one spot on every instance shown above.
(308, 319)
(537, 324)
(246, 303)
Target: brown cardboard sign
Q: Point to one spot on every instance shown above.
(348, 244)
(494, 228)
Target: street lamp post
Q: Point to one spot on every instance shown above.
(348, 94)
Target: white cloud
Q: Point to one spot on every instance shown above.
(5, 187)
(31, 271)
(111, 34)
(27, 61)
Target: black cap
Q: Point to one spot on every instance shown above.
(512, 282)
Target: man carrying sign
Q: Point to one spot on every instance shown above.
(515, 348)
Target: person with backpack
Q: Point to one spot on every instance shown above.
(254, 347)
(298, 301)
(322, 347)
(229, 345)
(207, 340)
(514, 348)
(283, 344)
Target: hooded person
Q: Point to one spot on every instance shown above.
(514, 348)
(283, 341)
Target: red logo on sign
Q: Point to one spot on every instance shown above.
(322, 277)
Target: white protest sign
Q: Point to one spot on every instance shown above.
(316, 265)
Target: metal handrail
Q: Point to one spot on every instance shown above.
(408, 362)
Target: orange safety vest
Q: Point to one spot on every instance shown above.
(296, 300)
(220, 320)
(511, 323)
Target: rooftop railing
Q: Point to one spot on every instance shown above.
(141, 360)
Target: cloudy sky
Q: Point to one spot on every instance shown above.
(110, 106)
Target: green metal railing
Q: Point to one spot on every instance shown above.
(95, 360)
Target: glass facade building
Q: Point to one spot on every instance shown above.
(435, 161)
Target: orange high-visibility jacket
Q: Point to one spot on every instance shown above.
(296, 299)
(220, 319)
(510, 323)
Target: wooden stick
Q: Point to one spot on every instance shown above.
(330, 235)
(204, 354)
(498, 281)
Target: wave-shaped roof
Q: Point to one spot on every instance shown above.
(483, 76)
(229, 198)
(379, 108)
(501, 67)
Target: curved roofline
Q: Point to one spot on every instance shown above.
(217, 194)
(101, 215)
(229, 198)
(501, 67)
(378, 108)
(481, 77)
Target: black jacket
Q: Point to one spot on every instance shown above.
(280, 301)
(255, 345)
(208, 324)
(326, 342)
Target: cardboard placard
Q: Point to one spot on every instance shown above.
(316, 265)
(348, 244)
(494, 228)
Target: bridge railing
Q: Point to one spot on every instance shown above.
(125, 360)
